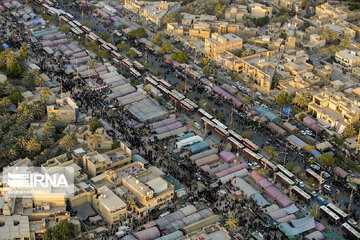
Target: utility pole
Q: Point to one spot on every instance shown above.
(61, 91)
(321, 178)
(350, 198)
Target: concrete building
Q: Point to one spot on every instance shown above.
(14, 227)
(236, 14)
(99, 140)
(201, 30)
(95, 163)
(258, 10)
(347, 59)
(39, 227)
(293, 85)
(66, 109)
(221, 43)
(323, 71)
(332, 11)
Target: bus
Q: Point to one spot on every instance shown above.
(236, 135)
(115, 55)
(126, 62)
(338, 211)
(301, 194)
(285, 171)
(269, 165)
(163, 90)
(50, 3)
(249, 144)
(92, 37)
(135, 73)
(236, 144)
(38, 1)
(350, 231)
(85, 29)
(63, 19)
(102, 41)
(176, 96)
(217, 122)
(76, 31)
(50, 11)
(149, 80)
(77, 23)
(284, 179)
(204, 113)
(252, 155)
(221, 131)
(165, 83)
(310, 173)
(138, 53)
(191, 103)
(186, 106)
(69, 16)
(139, 66)
(208, 123)
(112, 46)
(329, 214)
(105, 47)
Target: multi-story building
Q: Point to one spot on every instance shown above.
(236, 14)
(333, 12)
(201, 30)
(258, 10)
(285, 3)
(334, 108)
(292, 85)
(347, 59)
(99, 140)
(95, 163)
(66, 109)
(323, 71)
(14, 227)
(221, 43)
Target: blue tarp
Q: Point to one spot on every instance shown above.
(138, 158)
(5, 45)
(272, 117)
(315, 152)
(262, 111)
(36, 22)
(185, 136)
(260, 200)
(287, 111)
(198, 147)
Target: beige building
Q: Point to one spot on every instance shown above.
(236, 14)
(99, 140)
(332, 11)
(201, 30)
(14, 227)
(347, 59)
(258, 10)
(285, 3)
(323, 71)
(221, 43)
(316, 40)
(335, 109)
(292, 85)
(95, 163)
(66, 109)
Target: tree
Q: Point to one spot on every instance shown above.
(305, 4)
(334, 48)
(157, 39)
(92, 64)
(325, 34)
(207, 70)
(283, 11)
(122, 26)
(349, 131)
(23, 52)
(15, 70)
(354, 6)
(67, 142)
(296, 170)
(309, 148)
(167, 47)
(65, 28)
(345, 43)
(131, 53)
(95, 139)
(39, 81)
(314, 212)
(130, 205)
(208, 107)
(45, 92)
(180, 86)
(63, 231)
(262, 21)
(92, 46)
(221, 116)
(233, 125)
(290, 166)
(105, 36)
(302, 100)
(95, 124)
(16, 98)
(32, 146)
(5, 102)
(231, 223)
(283, 99)
(170, 18)
(138, 33)
(180, 57)
(334, 37)
(190, 96)
(247, 134)
(246, 100)
(327, 160)
(220, 8)
(269, 149)
(101, 54)
(122, 46)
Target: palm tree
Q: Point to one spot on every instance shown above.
(325, 34)
(130, 205)
(5, 102)
(39, 81)
(10, 58)
(38, 110)
(309, 148)
(11, 153)
(284, 100)
(21, 142)
(345, 43)
(54, 118)
(32, 146)
(67, 142)
(49, 128)
(95, 139)
(302, 100)
(231, 223)
(349, 131)
(45, 92)
(92, 64)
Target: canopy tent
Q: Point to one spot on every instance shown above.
(259, 199)
(291, 209)
(188, 210)
(287, 218)
(172, 236)
(171, 133)
(320, 227)
(246, 189)
(146, 111)
(315, 236)
(278, 130)
(262, 110)
(203, 154)
(272, 116)
(218, 168)
(231, 170)
(290, 127)
(198, 147)
(340, 172)
(254, 113)
(172, 217)
(294, 140)
(323, 146)
(147, 234)
(303, 225)
(185, 136)
(311, 123)
(271, 208)
(5, 45)
(272, 192)
(315, 152)
(240, 173)
(254, 175)
(264, 183)
(287, 111)
(163, 123)
(284, 201)
(278, 214)
(287, 230)
(207, 160)
(227, 156)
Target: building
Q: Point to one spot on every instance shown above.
(334, 12)
(66, 109)
(99, 140)
(236, 14)
(335, 109)
(292, 85)
(258, 10)
(39, 227)
(285, 3)
(14, 227)
(323, 71)
(316, 40)
(95, 163)
(347, 59)
(201, 30)
(221, 43)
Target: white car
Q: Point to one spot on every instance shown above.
(327, 187)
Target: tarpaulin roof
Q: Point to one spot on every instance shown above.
(172, 217)
(240, 173)
(147, 111)
(163, 122)
(323, 146)
(198, 147)
(291, 209)
(244, 187)
(207, 160)
(169, 127)
(287, 111)
(188, 210)
(148, 234)
(264, 183)
(340, 172)
(284, 201)
(302, 225)
(219, 168)
(254, 113)
(315, 236)
(278, 214)
(319, 227)
(171, 133)
(254, 175)
(272, 192)
(203, 154)
(287, 218)
(172, 236)
(278, 130)
(231, 170)
(262, 110)
(272, 116)
(131, 98)
(83, 212)
(260, 200)
(296, 141)
(290, 127)
(185, 136)
(271, 208)
(227, 156)
(5, 45)
(287, 229)
(315, 152)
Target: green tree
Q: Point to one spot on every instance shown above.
(154, 71)
(101, 54)
(231, 223)
(5, 102)
(262, 21)
(269, 149)
(65, 28)
(33, 146)
(290, 166)
(45, 92)
(349, 131)
(309, 148)
(283, 11)
(16, 98)
(181, 86)
(91, 46)
(122, 46)
(39, 81)
(314, 212)
(208, 107)
(354, 6)
(172, 17)
(220, 8)
(296, 170)
(131, 53)
(327, 160)
(67, 142)
(180, 57)
(167, 47)
(221, 116)
(63, 231)
(283, 99)
(207, 70)
(233, 125)
(302, 100)
(325, 34)
(190, 96)
(305, 4)
(15, 70)
(138, 33)
(95, 124)
(157, 39)
(88, 24)
(345, 43)
(334, 37)
(122, 26)
(247, 134)
(246, 100)
(105, 37)
(334, 48)
(23, 52)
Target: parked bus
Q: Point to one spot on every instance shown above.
(301, 194)
(135, 73)
(176, 96)
(149, 80)
(112, 47)
(76, 31)
(126, 62)
(138, 53)
(78, 24)
(105, 47)
(236, 135)
(69, 16)
(85, 29)
(310, 173)
(194, 105)
(285, 171)
(236, 144)
(50, 3)
(249, 144)
(221, 131)
(329, 214)
(269, 165)
(165, 83)
(63, 19)
(50, 11)
(116, 55)
(350, 231)
(217, 122)
(204, 113)
(163, 90)
(208, 123)
(186, 106)
(252, 155)
(139, 66)
(92, 37)
(284, 179)
(102, 41)
(338, 211)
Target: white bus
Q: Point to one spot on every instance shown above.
(115, 55)
(105, 47)
(252, 155)
(217, 122)
(268, 164)
(285, 171)
(138, 66)
(77, 23)
(310, 173)
(236, 135)
(221, 131)
(126, 62)
(186, 106)
(135, 73)
(235, 143)
(138, 53)
(188, 141)
(204, 113)
(301, 194)
(284, 179)
(176, 96)
(191, 103)
(350, 231)
(85, 29)
(249, 144)
(329, 214)
(338, 211)
(165, 83)
(112, 46)
(208, 123)
(162, 89)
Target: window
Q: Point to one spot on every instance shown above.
(317, 101)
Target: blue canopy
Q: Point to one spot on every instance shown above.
(5, 45)
(315, 152)
(36, 22)
(287, 111)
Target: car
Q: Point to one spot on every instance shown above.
(197, 125)
(353, 223)
(325, 174)
(302, 132)
(124, 228)
(302, 185)
(315, 167)
(321, 200)
(314, 193)
(327, 187)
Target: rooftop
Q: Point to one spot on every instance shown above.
(14, 227)
(110, 200)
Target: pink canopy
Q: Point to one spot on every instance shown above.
(283, 200)
(320, 227)
(254, 175)
(264, 183)
(272, 192)
(231, 170)
(227, 156)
